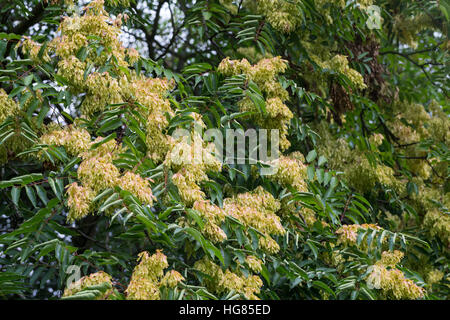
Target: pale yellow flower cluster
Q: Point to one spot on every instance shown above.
(138, 186)
(214, 216)
(74, 140)
(290, 172)
(191, 157)
(324, 8)
(376, 139)
(391, 258)
(323, 57)
(88, 281)
(102, 88)
(348, 234)
(408, 28)
(151, 94)
(8, 107)
(229, 5)
(79, 201)
(334, 258)
(434, 276)
(390, 280)
(309, 215)
(148, 276)
(33, 48)
(73, 48)
(363, 176)
(224, 282)
(187, 186)
(364, 4)
(358, 171)
(254, 263)
(264, 74)
(339, 63)
(124, 3)
(284, 16)
(110, 147)
(113, 3)
(337, 151)
(98, 172)
(257, 209)
(413, 124)
(17, 142)
(171, 279)
(438, 223)
(423, 201)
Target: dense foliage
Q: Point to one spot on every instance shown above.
(93, 177)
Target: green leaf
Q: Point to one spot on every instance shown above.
(15, 194)
(311, 156)
(321, 285)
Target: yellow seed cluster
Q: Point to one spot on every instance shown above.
(138, 186)
(322, 56)
(339, 63)
(224, 282)
(439, 224)
(391, 258)
(98, 173)
(358, 171)
(74, 140)
(8, 107)
(434, 276)
(376, 139)
(363, 176)
(16, 143)
(391, 281)
(191, 157)
(229, 5)
(87, 281)
(282, 15)
(120, 83)
(254, 263)
(309, 215)
(290, 171)
(110, 148)
(187, 186)
(79, 201)
(214, 216)
(114, 3)
(334, 258)
(348, 234)
(74, 32)
(33, 48)
(413, 123)
(171, 279)
(324, 6)
(264, 74)
(257, 209)
(151, 94)
(148, 276)
(286, 16)
(408, 28)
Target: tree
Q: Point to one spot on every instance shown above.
(102, 198)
